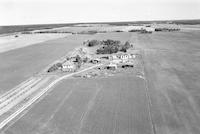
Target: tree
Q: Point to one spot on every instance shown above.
(108, 50)
(93, 43)
(59, 65)
(127, 45)
(110, 42)
(123, 49)
(78, 60)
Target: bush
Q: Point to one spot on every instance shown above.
(79, 61)
(127, 45)
(108, 50)
(134, 30)
(110, 42)
(86, 59)
(123, 49)
(59, 65)
(118, 31)
(93, 43)
(55, 67)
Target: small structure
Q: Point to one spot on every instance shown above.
(121, 57)
(150, 29)
(111, 66)
(95, 61)
(72, 59)
(124, 57)
(127, 65)
(68, 67)
(113, 57)
(116, 61)
(133, 56)
(105, 57)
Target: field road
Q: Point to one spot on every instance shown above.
(16, 95)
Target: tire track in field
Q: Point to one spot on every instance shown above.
(148, 96)
(88, 109)
(58, 108)
(141, 48)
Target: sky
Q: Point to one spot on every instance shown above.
(19, 12)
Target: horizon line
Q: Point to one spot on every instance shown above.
(104, 22)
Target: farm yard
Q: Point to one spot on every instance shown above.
(19, 64)
(164, 100)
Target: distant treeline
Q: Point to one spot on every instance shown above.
(24, 28)
(183, 22)
(21, 28)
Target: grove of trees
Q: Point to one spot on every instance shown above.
(112, 46)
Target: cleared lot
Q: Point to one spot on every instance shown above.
(99, 106)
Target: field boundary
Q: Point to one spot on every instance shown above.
(148, 96)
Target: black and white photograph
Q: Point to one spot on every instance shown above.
(99, 66)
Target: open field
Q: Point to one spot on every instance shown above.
(22, 28)
(108, 105)
(172, 63)
(11, 42)
(166, 101)
(20, 64)
(82, 29)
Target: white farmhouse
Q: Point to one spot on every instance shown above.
(124, 57)
(68, 66)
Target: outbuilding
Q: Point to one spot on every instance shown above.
(68, 66)
(128, 65)
(95, 61)
(111, 66)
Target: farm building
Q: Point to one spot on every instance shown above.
(111, 66)
(95, 61)
(68, 66)
(150, 29)
(127, 65)
(105, 57)
(121, 57)
(116, 61)
(113, 57)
